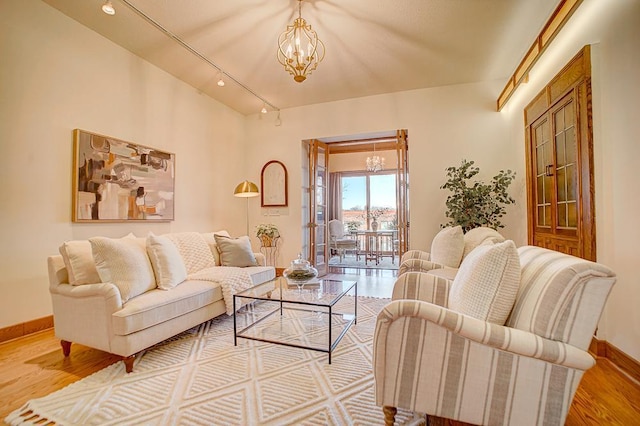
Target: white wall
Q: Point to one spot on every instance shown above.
(445, 125)
(57, 75)
(613, 29)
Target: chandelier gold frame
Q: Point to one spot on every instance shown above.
(291, 48)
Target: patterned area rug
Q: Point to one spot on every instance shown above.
(199, 378)
(351, 262)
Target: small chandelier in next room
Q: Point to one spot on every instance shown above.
(299, 49)
(375, 163)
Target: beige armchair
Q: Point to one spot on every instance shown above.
(339, 242)
(430, 359)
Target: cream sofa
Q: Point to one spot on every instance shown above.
(110, 316)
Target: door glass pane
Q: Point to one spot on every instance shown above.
(560, 150)
(570, 147)
(572, 215)
(562, 193)
(559, 120)
(541, 216)
(548, 189)
(562, 214)
(354, 200)
(382, 194)
(571, 183)
(540, 189)
(547, 215)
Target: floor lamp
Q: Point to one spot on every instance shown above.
(246, 190)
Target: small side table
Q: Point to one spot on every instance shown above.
(270, 252)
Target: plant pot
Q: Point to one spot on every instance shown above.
(267, 241)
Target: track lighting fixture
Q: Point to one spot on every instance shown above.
(108, 8)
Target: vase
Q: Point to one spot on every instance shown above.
(300, 272)
(374, 225)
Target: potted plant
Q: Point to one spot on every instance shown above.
(267, 234)
(475, 203)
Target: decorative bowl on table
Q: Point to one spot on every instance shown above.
(300, 272)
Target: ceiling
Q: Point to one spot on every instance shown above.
(372, 46)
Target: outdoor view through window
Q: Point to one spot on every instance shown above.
(368, 197)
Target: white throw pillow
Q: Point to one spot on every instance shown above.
(480, 235)
(125, 263)
(78, 259)
(208, 237)
(487, 282)
(235, 251)
(447, 247)
(194, 250)
(166, 261)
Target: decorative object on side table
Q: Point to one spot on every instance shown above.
(300, 272)
(474, 204)
(374, 214)
(268, 235)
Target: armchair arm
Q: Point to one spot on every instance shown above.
(415, 254)
(518, 342)
(421, 286)
(419, 265)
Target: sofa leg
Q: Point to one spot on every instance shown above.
(66, 347)
(128, 362)
(389, 415)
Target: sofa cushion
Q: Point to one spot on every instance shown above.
(213, 246)
(235, 251)
(78, 259)
(487, 282)
(157, 306)
(123, 262)
(166, 261)
(194, 250)
(447, 247)
(480, 235)
(261, 274)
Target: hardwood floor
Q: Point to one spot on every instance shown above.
(33, 366)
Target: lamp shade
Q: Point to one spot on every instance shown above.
(246, 189)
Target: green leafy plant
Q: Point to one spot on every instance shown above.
(268, 230)
(475, 203)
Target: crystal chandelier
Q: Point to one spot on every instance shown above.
(299, 49)
(375, 163)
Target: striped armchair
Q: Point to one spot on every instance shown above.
(433, 360)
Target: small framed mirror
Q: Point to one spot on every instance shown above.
(274, 183)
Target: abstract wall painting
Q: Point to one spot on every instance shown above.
(118, 181)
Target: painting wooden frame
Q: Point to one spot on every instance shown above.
(274, 184)
(119, 181)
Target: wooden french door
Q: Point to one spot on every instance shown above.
(402, 192)
(317, 220)
(560, 163)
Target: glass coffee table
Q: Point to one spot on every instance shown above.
(314, 317)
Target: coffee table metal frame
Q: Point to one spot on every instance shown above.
(287, 300)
